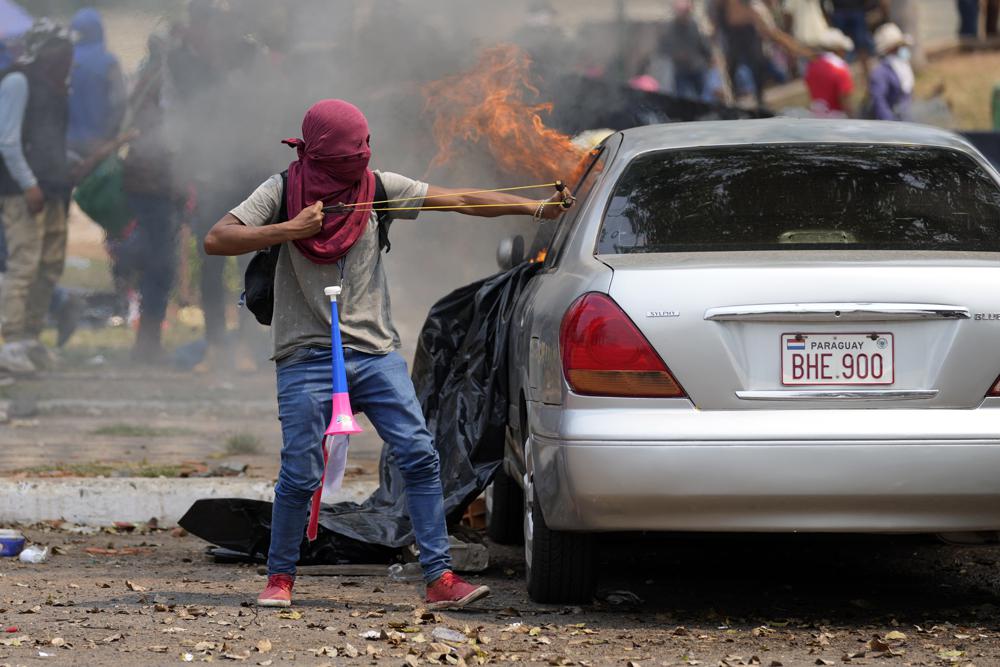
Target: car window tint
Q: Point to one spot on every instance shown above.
(796, 197)
(581, 191)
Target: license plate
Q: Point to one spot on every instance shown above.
(837, 359)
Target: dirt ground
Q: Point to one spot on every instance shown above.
(155, 599)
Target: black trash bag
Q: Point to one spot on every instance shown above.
(460, 375)
(242, 530)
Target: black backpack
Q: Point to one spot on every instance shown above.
(258, 281)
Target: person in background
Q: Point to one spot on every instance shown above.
(205, 58)
(992, 18)
(738, 23)
(890, 87)
(542, 36)
(968, 15)
(806, 20)
(97, 88)
(851, 18)
(906, 15)
(147, 179)
(35, 185)
(688, 49)
(829, 77)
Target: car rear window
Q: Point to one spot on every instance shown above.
(836, 196)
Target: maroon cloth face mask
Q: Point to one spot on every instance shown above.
(332, 168)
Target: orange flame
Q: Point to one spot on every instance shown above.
(486, 105)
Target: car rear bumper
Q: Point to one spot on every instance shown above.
(929, 483)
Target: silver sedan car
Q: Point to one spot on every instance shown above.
(758, 326)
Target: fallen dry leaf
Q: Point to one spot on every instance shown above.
(15, 641)
(264, 645)
(125, 551)
(132, 586)
(876, 644)
(895, 635)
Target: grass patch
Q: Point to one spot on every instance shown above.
(242, 444)
(103, 470)
(123, 430)
(70, 470)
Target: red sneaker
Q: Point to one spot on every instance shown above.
(278, 592)
(451, 592)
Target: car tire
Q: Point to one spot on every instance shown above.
(504, 507)
(560, 564)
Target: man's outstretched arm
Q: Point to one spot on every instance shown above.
(493, 204)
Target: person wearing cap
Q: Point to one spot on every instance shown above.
(890, 86)
(35, 185)
(828, 75)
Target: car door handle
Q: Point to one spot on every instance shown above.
(836, 312)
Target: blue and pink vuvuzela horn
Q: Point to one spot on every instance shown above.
(342, 423)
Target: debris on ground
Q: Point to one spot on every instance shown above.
(924, 603)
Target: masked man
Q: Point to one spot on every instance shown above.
(342, 248)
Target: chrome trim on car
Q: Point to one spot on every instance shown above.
(839, 395)
(838, 312)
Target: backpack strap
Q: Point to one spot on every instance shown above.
(384, 218)
(283, 209)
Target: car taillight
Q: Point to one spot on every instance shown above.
(605, 354)
(995, 389)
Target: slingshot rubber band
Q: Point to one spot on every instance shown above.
(449, 208)
(452, 194)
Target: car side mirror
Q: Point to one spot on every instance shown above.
(510, 252)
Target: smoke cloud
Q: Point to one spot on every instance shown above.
(277, 58)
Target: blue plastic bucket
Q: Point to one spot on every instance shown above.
(11, 543)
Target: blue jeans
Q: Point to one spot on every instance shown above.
(968, 12)
(380, 386)
(689, 85)
(156, 254)
(854, 24)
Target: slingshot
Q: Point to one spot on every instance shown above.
(566, 203)
(342, 423)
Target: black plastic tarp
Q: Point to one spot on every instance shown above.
(460, 374)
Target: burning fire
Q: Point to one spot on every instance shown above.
(486, 105)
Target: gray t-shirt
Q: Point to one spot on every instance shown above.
(301, 310)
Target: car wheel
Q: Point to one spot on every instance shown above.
(504, 505)
(560, 565)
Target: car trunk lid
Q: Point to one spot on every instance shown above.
(727, 325)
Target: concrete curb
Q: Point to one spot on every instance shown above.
(101, 502)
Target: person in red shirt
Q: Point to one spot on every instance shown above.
(829, 77)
